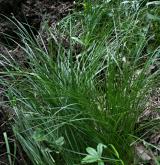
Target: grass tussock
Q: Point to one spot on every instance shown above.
(87, 84)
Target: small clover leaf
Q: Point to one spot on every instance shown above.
(100, 147)
(94, 155)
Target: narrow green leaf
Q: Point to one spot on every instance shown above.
(153, 3)
(8, 148)
(115, 151)
(77, 40)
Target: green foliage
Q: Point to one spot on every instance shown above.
(11, 157)
(88, 83)
(96, 155)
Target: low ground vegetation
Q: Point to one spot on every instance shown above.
(86, 85)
